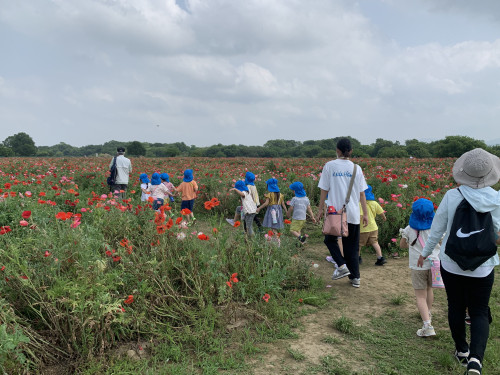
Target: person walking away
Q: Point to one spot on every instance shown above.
(414, 237)
(249, 208)
(368, 236)
(123, 170)
(157, 190)
(275, 203)
(334, 183)
(298, 210)
(188, 189)
(144, 186)
(470, 252)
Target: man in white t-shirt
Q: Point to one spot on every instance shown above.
(123, 169)
(334, 184)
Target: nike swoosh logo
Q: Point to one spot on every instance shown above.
(461, 234)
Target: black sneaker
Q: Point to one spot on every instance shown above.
(473, 367)
(380, 262)
(302, 238)
(462, 358)
(360, 260)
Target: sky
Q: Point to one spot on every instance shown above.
(205, 72)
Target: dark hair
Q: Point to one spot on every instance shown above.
(276, 196)
(120, 149)
(344, 146)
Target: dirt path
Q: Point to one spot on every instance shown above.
(378, 286)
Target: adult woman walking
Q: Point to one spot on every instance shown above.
(468, 273)
(334, 185)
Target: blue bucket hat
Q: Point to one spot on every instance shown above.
(144, 178)
(272, 185)
(249, 178)
(155, 179)
(298, 188)
(188, 175)
(369, 194)
(165, 177)
(240, 185)
(422, 215)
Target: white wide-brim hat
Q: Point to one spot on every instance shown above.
(477, 169)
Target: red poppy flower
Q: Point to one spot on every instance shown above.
(23, 223)
(129, 300)
(215, 230)
(236, 224)
(5, 229)
(26, 214)
(228, 283)
(3, 268)
(266, 297)
(178, 220)
(234, 278)
(169, 223)
(46, 254)
(203, 237)
(287, 221)
(185, 211)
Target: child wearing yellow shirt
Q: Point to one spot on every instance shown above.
(368, 236)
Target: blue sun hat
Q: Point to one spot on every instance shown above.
(298, 188)
(272, 185)
(240, 185)
(144, 178)
(422, 215)
(369, 194)
(155, 179)
(188, 175)
(249, 178)
(165, 177)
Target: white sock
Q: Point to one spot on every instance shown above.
(427, 323)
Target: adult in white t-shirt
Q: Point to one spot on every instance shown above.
(334, 184)
(123, 169)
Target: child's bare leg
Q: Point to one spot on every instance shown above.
(422, 304)
(377, 248)
(295, 233)
(430, 298)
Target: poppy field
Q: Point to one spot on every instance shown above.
(82, 272)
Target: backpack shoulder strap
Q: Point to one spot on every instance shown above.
(351, 183)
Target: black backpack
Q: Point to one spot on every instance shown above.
(112, 173)
(471, 241)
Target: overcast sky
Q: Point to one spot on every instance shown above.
(245, 71)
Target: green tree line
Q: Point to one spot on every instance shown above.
(21, 144)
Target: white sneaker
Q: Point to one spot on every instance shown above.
(340, 273)
(426, 331)
(355, 282)
(231, 222)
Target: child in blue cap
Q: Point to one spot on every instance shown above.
(188, 188)
(300, 207)
(165, 179)
(414, 237)
(368, 236)
(144, 185)
(157, 191)
(275, 204)
(249, 208)
(250, 183)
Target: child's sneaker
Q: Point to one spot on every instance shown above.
(231, 222)
(302, 238)
(462, 358)
(355, 282)
(380, 262)
(330, 259)
(474, 367)
(426, 331)
(340, 273)
(467, 319)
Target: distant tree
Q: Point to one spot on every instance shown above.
(6, 151)
(417, 149)
(455, 145)
(172, 151)
(312, 151)
(136, 148)
(379, 145)
(395, 151)
(21, 144)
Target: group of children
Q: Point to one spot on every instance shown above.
(160, 188)
(413, 237)
(275, 204)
